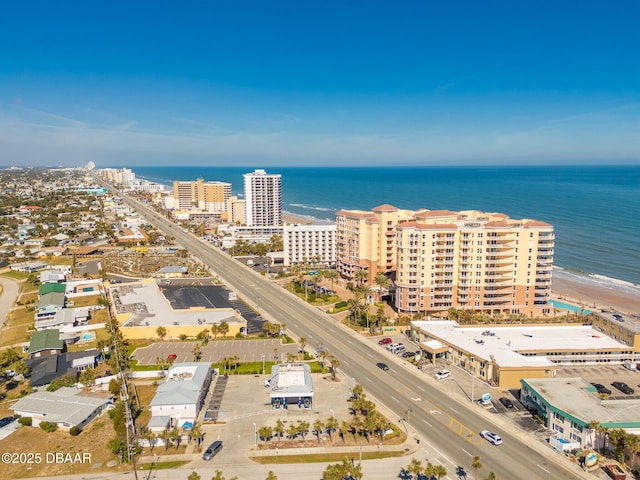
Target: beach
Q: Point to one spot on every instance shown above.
(594, 293)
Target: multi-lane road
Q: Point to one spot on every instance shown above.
(442, 422)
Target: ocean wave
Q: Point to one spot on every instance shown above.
(595, 279)
(308, 207)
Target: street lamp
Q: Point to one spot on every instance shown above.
(255, 433)
(262, 363)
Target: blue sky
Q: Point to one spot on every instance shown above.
(306, 83)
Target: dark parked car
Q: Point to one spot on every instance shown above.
(506, 402)
(382, 366)
(601, 388)
(212, 450)
(623, 387)
(6, 421)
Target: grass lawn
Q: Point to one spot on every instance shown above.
(145, 395)
(16, 275)
(86, 301)
(324, 457)
(31, 439)
(15, 329)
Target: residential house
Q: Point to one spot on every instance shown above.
(67, 407)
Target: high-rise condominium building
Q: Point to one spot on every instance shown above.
(201, 195)
(313, 245)
(263, 199)
(441, 259)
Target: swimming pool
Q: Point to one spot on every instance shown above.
(566, 306)
(87, 337)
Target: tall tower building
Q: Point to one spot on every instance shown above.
(263, 199)
(205, 196)
(440, 259)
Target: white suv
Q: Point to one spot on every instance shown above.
(442, 374)
(491, 437)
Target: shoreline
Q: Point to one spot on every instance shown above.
(575, 288)
(592, 293)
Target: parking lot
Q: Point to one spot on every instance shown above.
(216, 350)
(605, 375)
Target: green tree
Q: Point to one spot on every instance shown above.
(271, 476)
(292, 431)
(491, 476)
(223, 327)
(440, 471)
(279, 429)
(68, 380)
(415, 467)
(87, 376)
(335, 363)
(383, 283)
(332, 426)
(361, 276)
(194, 476)
(476, 464)
(161, 332)
(303, 428)
(218, 475)
(265, 433)
(318, 427)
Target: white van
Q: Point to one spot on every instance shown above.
(630, 365)
(399, 349)
(392, 346)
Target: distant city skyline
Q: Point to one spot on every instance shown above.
(287, 84)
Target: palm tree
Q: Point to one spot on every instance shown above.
(439, 471)
(332, 426)
(318, 427)
(335, 363)
(415, 467)
(218, 475)
(215, 329)
(383, 282)
(303, 343)
(175, 436)
(476, 464)
(303, 428)
(332, 275)
(593, 427)
(430, 470)
(196, 434)
(279, 429)
(491, 476)
(271, 476)
(344, 429)
(360, 276)
(292, 431)
(196, 352)
(265, 432)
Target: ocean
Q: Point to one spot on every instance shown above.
(595, 210)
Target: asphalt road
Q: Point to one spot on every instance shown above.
(447, 425)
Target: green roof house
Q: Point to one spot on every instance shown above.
(45, 342)
(50, 288)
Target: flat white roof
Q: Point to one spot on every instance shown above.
(579, 399)
(507, 343)
(148, 307)
(291, 379)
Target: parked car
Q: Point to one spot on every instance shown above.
(408, 354)
(623, 387)
(212, 450)
(506, 402)
(442, 374)
(601, 388)
(382, 366)
(6, 421)
(171, 357)
(491, 437)
(385, 341)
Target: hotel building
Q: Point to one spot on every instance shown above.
(441, 259)
(309, 244)
(206, 196)
(263, 199)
